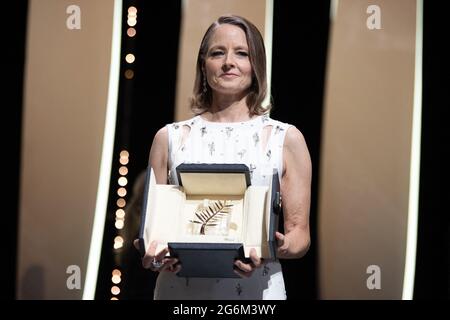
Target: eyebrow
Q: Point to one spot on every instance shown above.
(223, 47)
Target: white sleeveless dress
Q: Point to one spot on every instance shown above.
(217, 142)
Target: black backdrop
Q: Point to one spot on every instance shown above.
(300, 43)
(433, 246)
(146, 103)
(299, 53)
(13, 61)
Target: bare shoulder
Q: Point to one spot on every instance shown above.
(296, 153)
(159, 147)
(159, 155)
(294, 139)
(161, 136)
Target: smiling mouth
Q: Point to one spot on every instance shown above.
(228, 75)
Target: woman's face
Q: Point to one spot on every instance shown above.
(227, 64)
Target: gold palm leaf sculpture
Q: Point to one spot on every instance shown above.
(209, 216)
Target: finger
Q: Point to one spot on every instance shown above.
(283, 243)
(149, 255)
(177, 268)
(152, 248)
(160, 256)
(280, 237)
(168, 264)
(170, 260)
(136, 243)
(255, 259)
(243, 266)
(242, 274)
(147, 261)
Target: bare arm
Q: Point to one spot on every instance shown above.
(159, 154)
(295, 193)
(296, 196)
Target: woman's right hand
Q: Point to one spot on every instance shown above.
(158, 262)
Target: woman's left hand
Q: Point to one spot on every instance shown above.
(292, 245)
(245, 270)
(282, 245)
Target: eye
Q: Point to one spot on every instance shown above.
(216, 53)
(242, 53)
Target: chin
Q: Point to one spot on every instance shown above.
(230, 91)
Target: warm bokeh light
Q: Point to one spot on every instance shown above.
(123, 161)
(115, 290)
(120, 213)
(119, 224)
(122, 181)
(132, 16)
(122, 192)
(116, 279)
(116, 272)
(123, 170)
(118, 242)
(121, 203)
(124, 154)
(130, 58)
(114, 298)
(131, 32)
(129, 74)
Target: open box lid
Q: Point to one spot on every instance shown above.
(213, 179)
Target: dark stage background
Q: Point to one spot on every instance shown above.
(147, 105)
(298, 76)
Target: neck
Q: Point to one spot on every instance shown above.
(228, 109)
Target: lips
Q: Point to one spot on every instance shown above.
(228, 75)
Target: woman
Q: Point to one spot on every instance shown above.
(231, 126)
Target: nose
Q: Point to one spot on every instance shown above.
(228, 62)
